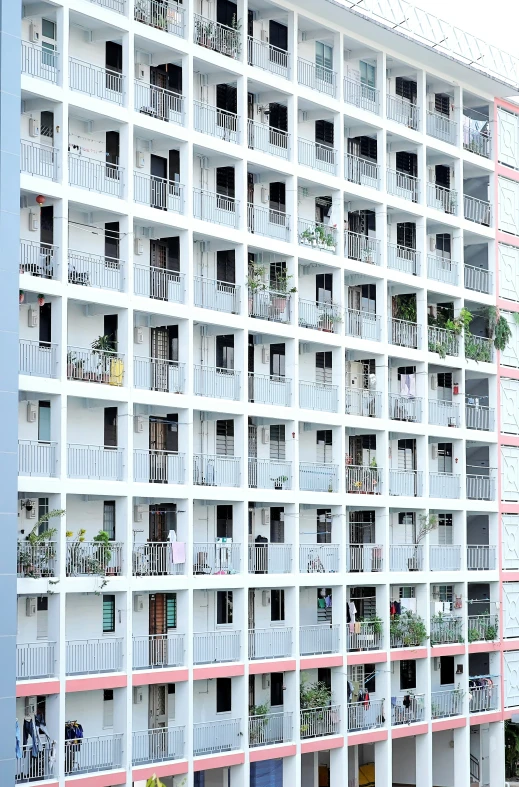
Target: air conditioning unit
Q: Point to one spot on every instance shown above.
(265, 681)
(264, 36)
(138, 335)
(34, 127)
(32, 412)
(265, 516)
(30, 706)
(32, 318)
(30, 606)
(265, 598)
(138, 424)
(140, 71)
(265, 355)
(138, 603)
(138, 513)
(265, 435)
(31, 506)
(34, 222)
(434, 382)
(139, 159)
(35, 33)
(432, 243)
(138, 695)
(138, 247)
(434, 451)
(264, 194)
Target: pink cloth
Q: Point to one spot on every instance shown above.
(178, 551)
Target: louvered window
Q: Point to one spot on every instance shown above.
(225, 438)
(171, 611)
(406, 88)
(108, 614)
(323, 367)
(277, 442)
(324, 132)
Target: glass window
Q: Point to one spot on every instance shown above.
(44, 422)
(224, 607)
(171, 611)
(223, 695)
(367, 74)
(277, 605)
(407, 675)
(323, 55)
(109, 518)
(108, 708)
(108, 614)
(48, 29)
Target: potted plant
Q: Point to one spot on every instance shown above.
(407, 630)
(427, 524)
(104, 554)
(33, 562)
(257, 713)
(308, 236)
(313, 696)
(103, 347)
(279, 481)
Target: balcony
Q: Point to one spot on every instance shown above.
(406, 557)
(33, 769)
(477, 279)
(361, 171)
(159, 745)
(269, 729)
(39, 62)
(95, 366)
(37, 459)
(483, 698)
(84, 558)
(318, 396)
(320, 316)
(317, 156)
(270, 58)
(478, 348)
(403, 633)
(365, 636)
(360, 401)
(314, 477)
(483, 628)
(158, 192)
(270, 389)
(269, 474)
(444, 485)
(318, 640)
(159, 103)
(216, 558)
(212, 470)
(94, 462)
(219, 735)
(36, 560)
(400, 184)
(154, 374)
(40, 160)
(94, 270)
(89, 656)
(442, 199)
(216, 382)
(221, 296)
(446, 703)
(268, 222)
(96, 81)
(363, 479)
(364, 557)
(103, 753)
(401, 258)
(482, 485)
(402, 111)
(38, 259)
(216, 122)
(360, 95)
(361, 248)
(268, 139)
(444, 413)
(156, 558)
(316, 722)
(405, 408)
(319, 558)
(442, 269)
(38, 359)
(404, 333)
(35, 660)
(166, 16)
(442, 341)
(405, 483)
(158, 651)
(319, 78)
(273, 643)
(444, 557)
(365, 717)
(216, 647)
(481, 557)
(269, 305)
(476, 141)
(158, 283)
(362, 325)
(99, 176)
(441, 127)
(216, 37)
(477, 210)
(113, 5)
(316, 235)
(407, 709)
(269, 558)
(446, 629)
(217, 208)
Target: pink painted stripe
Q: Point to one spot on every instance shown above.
(220, 761)
(374, 736)
(171, 769)
(448, 650)
(93, 682)
(408, 653)
(449, 724)
(160, 676)
(485, 718)
(218, 671)
(99, 780)
(260, 667)
(272, 752)
(322, 744)
(484, 647)
(29, 688)
(375, 657)
(406, 730)
(314, 662)
(506, 371)
(510, 644)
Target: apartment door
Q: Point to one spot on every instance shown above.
(46, 240)
(324, 446)
(250, 367)
(158, 264)
(162, 519)
(157, 629)
(45, 325)
(110, 427)
(158, 709)
(277, 525)
(158, 182)
(163, 439)
(277, 203)
(164, 349)
(112, 155)
(253, 453)
(159, 79)
(251, 619)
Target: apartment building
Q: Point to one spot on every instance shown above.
(268, 469)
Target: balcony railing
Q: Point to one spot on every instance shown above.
(444, 413)
(212, 647)
(95, 175)
(361, 95)
(38, 259)
(442, 127)
(103, 753)
(364, 557)
(36, 560)
(316, 722)
(270, 58)
(94, 270)
(154, 374)
(36, 159)
(365, 636)
(157, 651)
(315, 640)
(269, 558)
(216, 382)
(31, 769)
(213, 470)
(270, 389)
(94, 557)
(95, 366)
(362, 324)
(476, 141)
(275, 643)
(316, 77)
(114, 5)
(319, 558)
(365, 716)
(481, 557)
(477, 210)
(35, 660)
(37, 458)
(483, 628)
(222, 296)
(320, 316)
(152, 466)
(317, 235)
(318, 396)
(408, 709)
(361, 248)
(444, 557)
(217, 208)
(442, 269)
(158, 192)
(402, 111)
(268, 139)
(270, 729)
(94, 462)
(442, 341)
(217, 37)
(478, 279)
(40, 62)
(156, 558)
(164, 743)
(444, 485)
(314, 477)
(406, 483)
(362, 171)
(215, 121)
(405, 408)
(441, 198)
(96, 81)
(483, 698)
(219, 558)
(404, 333)
(316, 155)
(446, 703)
(165, 16)
(360, 401)
(482, 485)
(215, 736)
(401, 184)
(363, 479)
(39, 359)
(158, 283)
(94, 655)
(406, 557)
(401, 258)
(403, 634)
(269, 474)
(269, 305)
(478, 348)
(158, 102)
(446, 629)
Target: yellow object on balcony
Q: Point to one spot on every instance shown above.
(116, 371)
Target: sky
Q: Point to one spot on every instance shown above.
(495, 21)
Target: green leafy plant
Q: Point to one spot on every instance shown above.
(256, 278)
(34, 562)
(405, 307)
(81, 560)
(511, 749)
(154, 781)
(103, 344)
(428, 523)
(375, 622)
(313, 695)
(407, 630)
(282, 282)
(477, 349)
(443, 631)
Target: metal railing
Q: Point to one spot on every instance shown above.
(215, 36)
(216, 558)
(442, 269)
(261, 136)
(483, 698)
(154, 374)
(215, 736)
(475, 141)
(446, 629)
(441, 198)
(317, 235)
(269, 305)
(212, 647)
(360, 401)
(35, 660)
(446, 703)
(361, 248)
(158, 102)
(365, 636)
(405, 483)
(94, 462)
(270, 729)
(216, 382)
(163, 743)
(479, 348)
(158, 192)
(33, 769)
(406, 557)
(269, 558)
(316, 722)
(477, 279)
(274, 643)
(315, 477)
(402, 111)
(269, 474)
(40, 62)
(319, 558)
(474, 769)
(365, 716)
(155, 558)
(217, 208)
(444, 413)
(213, 470)
(84, 656)
(315, 640)
(401, 184)
(216, 122)
(401, 258)
(483, 628)
(95, 270)
(271, 58)
(37, 458)
(477, 210)
(481, 557)
(36, 560)
(480, 417)
(405, 408)
(96, 81)
(481, 486)
(103, 753)
(269, 222)
(152, 466)
(407, 709)
(94, 175)
(222, 296)
(113, 5)
(444, 557)
(362, 324)
(316, 77)
(364, 557)
(157, 650)
(316, 155)
(95, 366)
(38, 259)
(166, 16)
(442, 127)
(442, 341)
(362, 171)
(363, 479)
(94, 557)
(444, 485)
(404, 333)
(320, 315)
(270, 389)
(39, 359)
(361, 95)
(158, 283)
(318, 396)
(38, 159)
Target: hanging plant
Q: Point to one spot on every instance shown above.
(41, 299)
(502, 333)
(21, 296)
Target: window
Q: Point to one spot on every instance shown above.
(223, 695)
(406, 234)
(324, 525)
(406, 454)
(110, 427)
(43, 508)
(225, 352)
(278, 36)
(171, 611)
(407, 162)
(446, 670)
(324, 287)
(44, 422)
(443, 593)
(368, 73)
(407, 591)
(108, 614)
(444, 391)
(445, 457)
(324, 132)
(277, 605)
(278, 116)
(406, 88)
(277, 275)
(323, 367)
(277, 360)
(407, 520)
(277, 196)
(225, 438)
(323, 56)
(108, 708)
(407, 675)
(225, 185)
(276, 689)
(444, 528)
(226, 99)
(224, 607)
(324, 445)
(443, 244)
(442, 104)
(277, 442)
(109, 518)
(224, 521)
(324, 675)
(225, 266)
